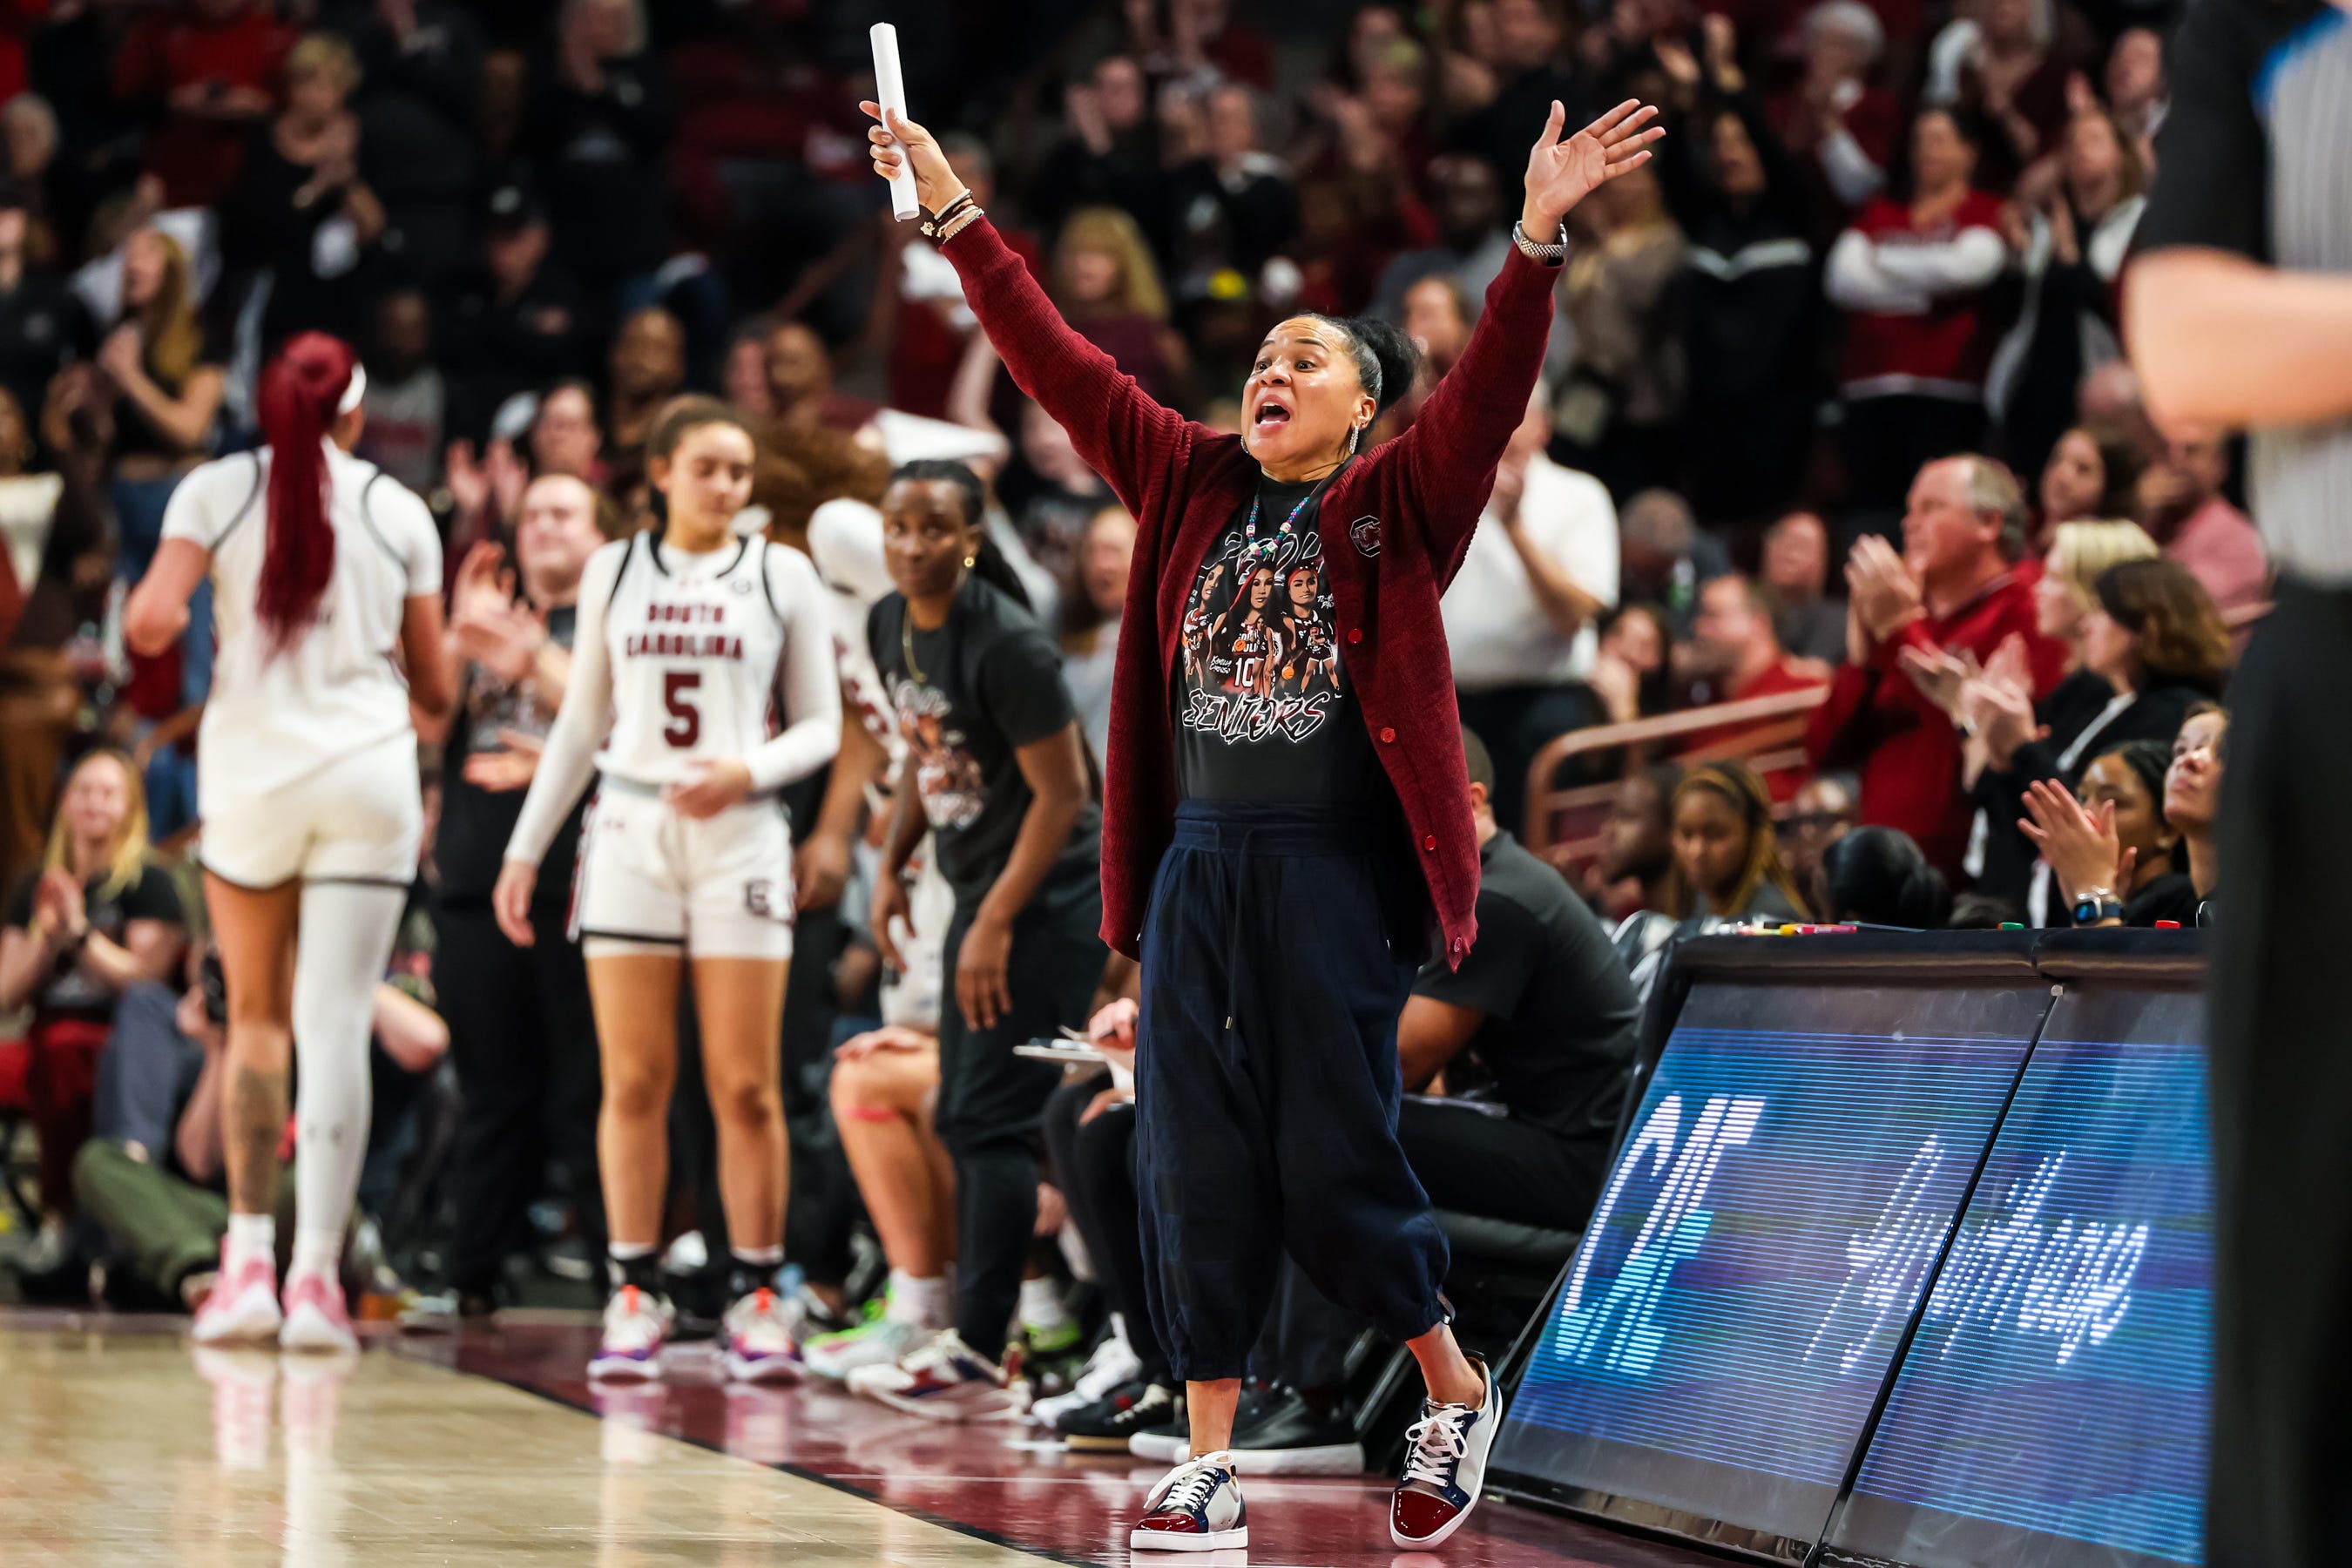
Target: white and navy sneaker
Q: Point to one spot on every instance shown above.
(945, 1380)
(1445, 1468)
(1196, 1507)
(1113, 1363)
(636, 1325)
(757, 1332)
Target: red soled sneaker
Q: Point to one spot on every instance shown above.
(1445, 1468)
(1196, 1507)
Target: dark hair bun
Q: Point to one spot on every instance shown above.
(1878, 876)
(1398, 355)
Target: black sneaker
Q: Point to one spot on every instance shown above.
(1289, 1434)
(1110, 1424)
(1171, 1442)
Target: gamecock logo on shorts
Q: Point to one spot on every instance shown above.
(760, 897)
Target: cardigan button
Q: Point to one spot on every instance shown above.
(1388, 736)
(1429, 841)
(1355, 634)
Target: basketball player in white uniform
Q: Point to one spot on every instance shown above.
(326, 579)
(687, 640)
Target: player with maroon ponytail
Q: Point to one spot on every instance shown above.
(327, 600)
(301, 396)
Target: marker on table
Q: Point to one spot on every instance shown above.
(890, 92)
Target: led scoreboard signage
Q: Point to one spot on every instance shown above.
(2054, 1406)
(1782, 1198)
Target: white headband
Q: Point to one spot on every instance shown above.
(355, 394)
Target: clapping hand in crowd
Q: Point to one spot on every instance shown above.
(488, 624)
(508, 768)
(2079, 842)
(1885, 593)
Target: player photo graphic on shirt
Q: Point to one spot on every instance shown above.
(1261, 660)
(948, 777)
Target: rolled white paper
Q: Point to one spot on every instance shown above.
(890, 92)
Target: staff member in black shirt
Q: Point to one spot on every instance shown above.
(2240, 311)
(997, 772)
(520, 1027)
(1544, 1004)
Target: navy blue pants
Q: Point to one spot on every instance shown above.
(1279, 948)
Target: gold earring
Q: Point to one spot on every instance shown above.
(969, 562)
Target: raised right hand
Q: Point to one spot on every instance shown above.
(900, 141)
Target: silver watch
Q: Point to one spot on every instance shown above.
(1555, 252)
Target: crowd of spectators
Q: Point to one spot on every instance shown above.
(1834, 402)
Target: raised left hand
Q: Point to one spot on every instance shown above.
(1885, 595)
(1562, 172)
(717, 783)
(984, 990)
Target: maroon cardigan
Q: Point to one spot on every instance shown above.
(1395, 525)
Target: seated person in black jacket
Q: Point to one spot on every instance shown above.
(1542, 1012)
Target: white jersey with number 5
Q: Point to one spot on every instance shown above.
(687, 655)
(275, 717)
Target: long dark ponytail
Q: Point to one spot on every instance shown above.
(301, 392)
(988, 564)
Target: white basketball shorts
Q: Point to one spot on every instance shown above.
(721, 887)
(361, 819)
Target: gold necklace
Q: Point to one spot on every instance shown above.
(907, 644)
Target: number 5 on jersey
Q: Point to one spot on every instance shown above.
(685, 726)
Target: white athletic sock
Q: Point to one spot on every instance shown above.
(1041, 1303)
(316, 1252)
(919, 1301)
(347, 933)
(769, 1258)
(252, 1236)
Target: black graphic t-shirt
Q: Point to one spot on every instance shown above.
(476, 822)
(68, 992)
(982, 687)
(1263, 708)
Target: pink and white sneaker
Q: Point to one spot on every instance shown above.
(316, 1318)
(243, 1306)
(759, 1343)
(636, 1325)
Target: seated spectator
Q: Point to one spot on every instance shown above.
(743, 370)
(407, 400)
(1633, 667)
(1231, 205)
(1543, 1004)
(2099, 848)
(1474, 237)
(599, 127)
(800, 382)
(2153, 638)
(151, 1177)
(1110, 154)
(1436, 316)
(1749, 296)
(97, 918)
(648, 368)
(2070, 235)
(1727, 864)
(1090, 616)
(1807, 617)
(516, 323)
(2087, 476)
(201, 76)
(1629, 875)
(422, 64)
(300, 215)
(1911, 277)
(1521, 613)
(2137, 91)
(1106, 286)
(1663, 557)
(1736, 655)
(43, 326)
(1875, 876)
(1618, 412)
(1834, 115)
(59, 563)
(2181, 504)
(1955, 588)
(1826, 809)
